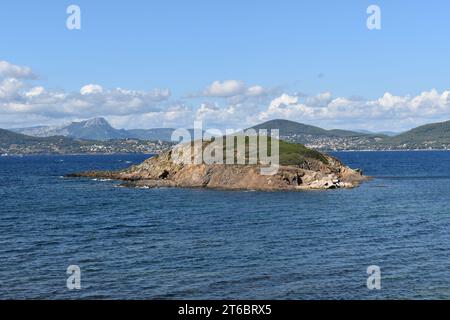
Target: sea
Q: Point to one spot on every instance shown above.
(210, 244)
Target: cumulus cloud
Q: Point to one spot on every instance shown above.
(389, 110)
(91, 89)
(230, 89)
(9, 88)
(19, 99)
(91, 101)
(9, 70)
(282, 101)
(255, 91)
(226, 88)
(34, 92)
(175, 115)
(223, 104)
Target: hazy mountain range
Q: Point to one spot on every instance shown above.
(431, 136)
(99, 129)
(93, 129)
(386, 133)
(96, 129)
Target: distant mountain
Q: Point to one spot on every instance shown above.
(93, 129)
(42, 131)
(8, 137)
(98, 129)
(386, 133)
(321, 139)
(12, 143)
(164, 134)
(16, 143)
(292, 128)
(430, 136)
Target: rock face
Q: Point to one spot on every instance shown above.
(161, 171)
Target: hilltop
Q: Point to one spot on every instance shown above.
(292, 128)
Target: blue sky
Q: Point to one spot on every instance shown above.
(296, 49)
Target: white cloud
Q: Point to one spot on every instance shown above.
(388, 111)
(20, 102)
(34, 92)
(229, 104)
(91, 89)
(90, 102)
(281, 101)
(231, 88)
(9, 70)
(174, 116)
(19, 99)
(9, 88)
(225, 88)
(255, 91)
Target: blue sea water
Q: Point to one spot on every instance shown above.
(207, 244)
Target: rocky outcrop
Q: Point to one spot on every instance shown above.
(162, 171)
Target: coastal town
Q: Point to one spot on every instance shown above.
(69, 146)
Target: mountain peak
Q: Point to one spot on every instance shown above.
(95, 122)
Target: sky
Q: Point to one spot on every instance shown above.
(230, 64)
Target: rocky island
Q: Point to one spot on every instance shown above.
(300, 168)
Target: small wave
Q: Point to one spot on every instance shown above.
(412, 177)
(101, 180)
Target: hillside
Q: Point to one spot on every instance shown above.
(435, 136)
(9, 137)
(13, 143)
(321, 139)
(12, 138)
(292, 128)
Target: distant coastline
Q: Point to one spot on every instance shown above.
(158, 153)
(76, 154)
(97, 136)
(389, 150)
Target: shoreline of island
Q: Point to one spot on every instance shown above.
(299, 168)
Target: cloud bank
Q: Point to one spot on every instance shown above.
(223, 104)
(13, 71)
